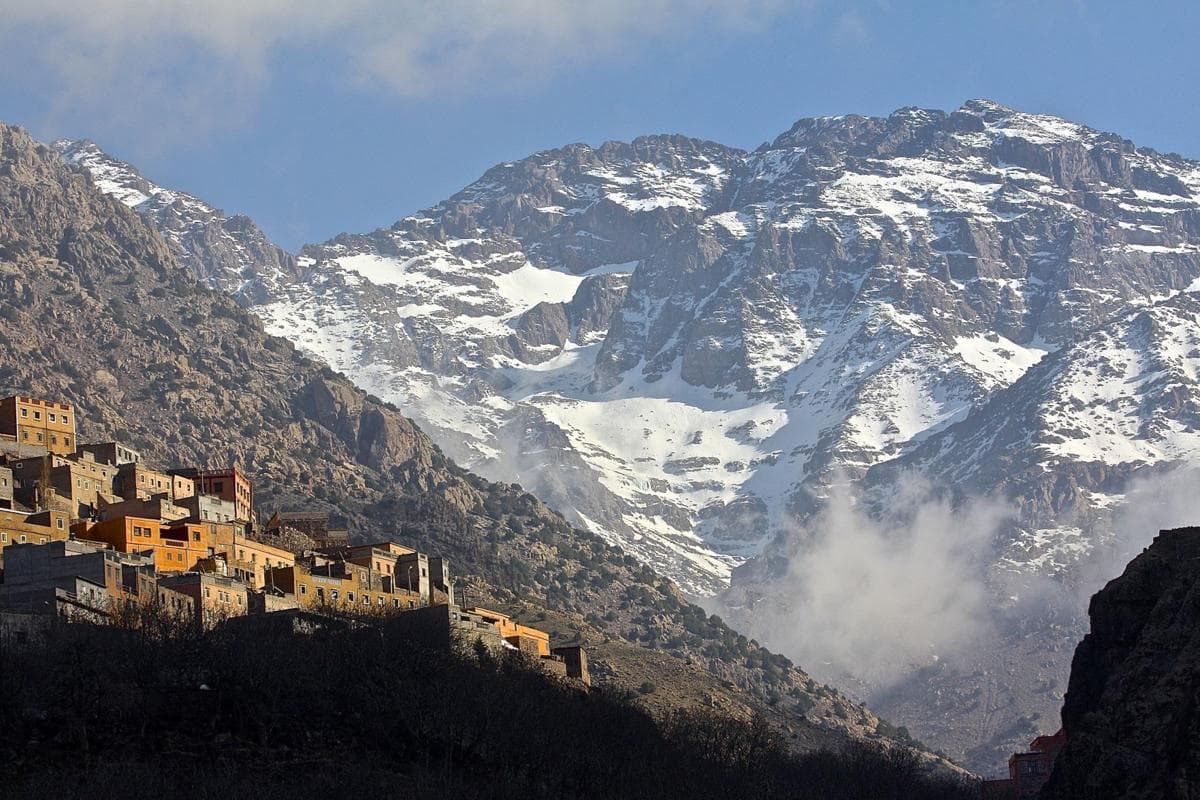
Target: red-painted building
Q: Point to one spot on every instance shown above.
(1027, 772)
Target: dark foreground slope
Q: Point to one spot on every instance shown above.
(1132, 711)
(254, 710)
(95, 309)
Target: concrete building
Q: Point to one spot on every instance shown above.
(574, 658)
(6, 488)
(1027, 772)
(134, 481)
(229, 484)
(207, 507)
(528, 640)
(341, 585)
(159, 507)
(73, 485)
(316, 525)
(214, 597)
(39, 528)
(39, 423)
(68, 597)
(171, 551)
(113, 453)
(39, 563)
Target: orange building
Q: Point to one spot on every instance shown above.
(38, 423)
(526, 639)
(172, 552)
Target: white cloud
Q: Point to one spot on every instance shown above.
(154, 59)
(877, 598)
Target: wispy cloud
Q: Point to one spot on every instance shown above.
(159, 61)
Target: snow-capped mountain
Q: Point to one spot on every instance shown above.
(229, 253)
(684, 346)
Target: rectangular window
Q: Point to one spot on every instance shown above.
(41, 438)
(25, 436)
(23, 537)
(196, 536)
(53, 417)
(3, 537)
(53, 439)
(59, 523)
(303, 589)
(24, 412)
(66, 420)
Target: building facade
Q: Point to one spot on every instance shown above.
(39, 423)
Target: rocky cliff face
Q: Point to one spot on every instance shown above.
(1131, 711)
(691, 350)
(96, 309)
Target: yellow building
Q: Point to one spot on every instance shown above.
(38, 423)
(343, 586)
(39, 528)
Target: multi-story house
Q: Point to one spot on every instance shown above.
(40, 528)
(229, 484)
(29, 421)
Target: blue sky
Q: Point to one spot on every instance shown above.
(315, 120)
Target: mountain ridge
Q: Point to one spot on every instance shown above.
(761, 328)
(99, 312)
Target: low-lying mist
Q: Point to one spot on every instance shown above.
(877, 596)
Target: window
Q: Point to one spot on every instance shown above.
(334, 594)
(58, 523)
(24, 412)
(53, 417)
(41, 438)
(23, 537)
(367, 600)
(37, 415)
(303, 589)
(380, 599)
(25, 436)
(195, 536)
(41, 540)
(349, 596)
(66, 420)
(53, 439)
(396, 602)
(3, 536)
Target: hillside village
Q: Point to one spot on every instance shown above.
(89, 530)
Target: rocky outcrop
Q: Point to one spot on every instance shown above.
(1132, 710)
